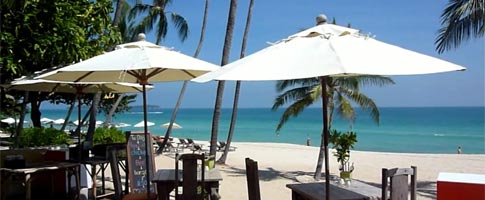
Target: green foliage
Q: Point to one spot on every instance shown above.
(35, 137)
(342, 143)
(110, 135)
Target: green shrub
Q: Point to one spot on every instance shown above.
(110, 135)
(35, 137)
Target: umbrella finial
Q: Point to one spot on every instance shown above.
(141, 36)
(321, 19)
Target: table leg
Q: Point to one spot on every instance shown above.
(103, 167)
(164, 190)
(213, 189)
(93, 178)
(28, 187)
(78, 181)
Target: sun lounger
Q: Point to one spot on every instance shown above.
(221, 146)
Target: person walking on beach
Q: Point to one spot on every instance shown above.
(307, 140)
(459, 150)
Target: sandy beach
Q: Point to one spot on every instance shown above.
(280, 164)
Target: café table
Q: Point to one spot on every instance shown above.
(165, 181)
(28, 172)
(356, 190)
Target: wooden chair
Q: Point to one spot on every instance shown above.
(397, 182)
(192, 188)
(252, 177)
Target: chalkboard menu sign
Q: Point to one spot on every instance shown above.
(137, 165)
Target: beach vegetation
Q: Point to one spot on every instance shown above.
(184, 85)
(460, 21)
(226, 51)
(41, 34)
(237, 89)
(343, 92)
(105, 135)
(37, 137)
(156, 15)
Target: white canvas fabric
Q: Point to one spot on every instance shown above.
(328, 50)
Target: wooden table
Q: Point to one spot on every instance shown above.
(43, 167)
(103, 164)
(316, 191)
(165, 180)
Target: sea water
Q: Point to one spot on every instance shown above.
(412, 130)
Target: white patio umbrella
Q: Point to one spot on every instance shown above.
(78, 88)
(326, 50)
(136, 62)
(175, 125)
(46, 120)
(58, 121)
(122, 125)
(9, 120)
(142, 124)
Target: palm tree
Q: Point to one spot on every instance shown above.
(184, 85)
(220, 85)
(223, 158)
(342, 91)
(156, 16)
(460, 20)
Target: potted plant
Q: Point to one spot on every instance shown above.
(342, 143)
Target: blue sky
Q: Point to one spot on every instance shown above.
(410, 24)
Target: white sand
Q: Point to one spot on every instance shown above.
(280, 164)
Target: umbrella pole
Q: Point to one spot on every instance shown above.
(79, 125)
(146, 138)
(323, 83)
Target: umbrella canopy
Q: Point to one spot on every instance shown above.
(325, 50)
(137, 62)
(46, 120)
(121, 125)
(72, 87)
(174, 125)
(9, 120)
(141, 124)
(58, 121)
(328, 49)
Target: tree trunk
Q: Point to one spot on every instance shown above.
(20, 125)
(35, 109)
(223, 158)
(116, 18)
(92, 119)
(184, 86)
(220, 86)
(68, 115)
(112, 111)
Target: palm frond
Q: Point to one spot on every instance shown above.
(294, 94)
(161, 26)
(366, 103)
(294, 110)
(181, 24)
(344, 108)
(460, 20)
(285, 84)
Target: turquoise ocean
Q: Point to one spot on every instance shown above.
(406, 129)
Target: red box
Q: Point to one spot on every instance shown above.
(460, 186)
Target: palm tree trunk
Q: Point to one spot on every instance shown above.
(109, 116)
(220, 86)
(92, 119)
(20, 125)
(68, 115)
(184, 86)
(35, 109)
(222, 159)
(116, 18)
